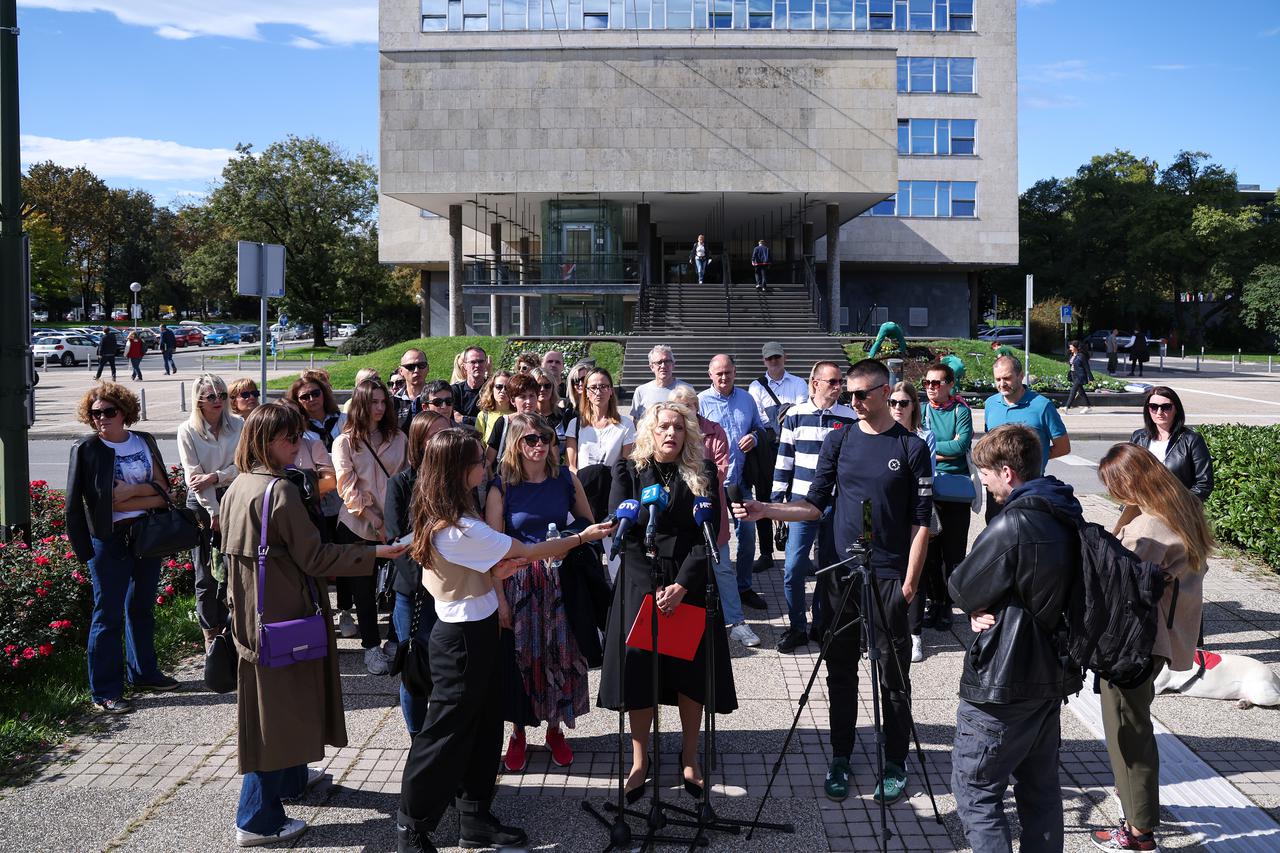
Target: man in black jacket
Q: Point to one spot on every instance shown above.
(108, 349)
(1014, 585)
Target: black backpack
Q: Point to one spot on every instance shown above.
(1111, 614)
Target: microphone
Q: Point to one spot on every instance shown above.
(654, 497)
(626, 514)
(733, 492)
(704, 514)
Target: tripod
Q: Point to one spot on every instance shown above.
(858, 576)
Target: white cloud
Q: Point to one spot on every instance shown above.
(129, 157)
(1266, 34)
(1044, 101)
(1035, 2)
(328, 21)
(1172, 67)
(306, 44)
(1067, 69)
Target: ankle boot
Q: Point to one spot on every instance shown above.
(479, 827)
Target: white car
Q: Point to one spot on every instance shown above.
(283, 333)
(66, 350)
(346, 330)
(1007, 335)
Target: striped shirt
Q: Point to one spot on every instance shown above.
(803, 430)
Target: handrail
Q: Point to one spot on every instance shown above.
(817, 298)
(727, 269)
(551, 268)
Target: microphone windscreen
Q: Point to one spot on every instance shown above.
(734, 492)
(703, 511)
(628, 509)
(654, 494)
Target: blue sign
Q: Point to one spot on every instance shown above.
(1065, 310)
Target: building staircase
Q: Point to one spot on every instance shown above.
(700, 321)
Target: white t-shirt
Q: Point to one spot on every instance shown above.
(133, 465)
(602, 445)
(477, 546)
(1159, 449)
(650, 393)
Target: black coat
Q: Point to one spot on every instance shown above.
(682, 558)
(1021, 570)
(90, 482)
(109, 346)
(1187, 458)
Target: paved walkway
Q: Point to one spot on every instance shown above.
(165, 777)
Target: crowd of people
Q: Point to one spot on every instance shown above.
(468, 511)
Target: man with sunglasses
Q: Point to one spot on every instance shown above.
(1017, 404)
(879, 461)
(408, 401)
(466, 394)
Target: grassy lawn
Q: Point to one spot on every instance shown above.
(1223, 355)
(47, 706)
(299, 354)
(440, 353)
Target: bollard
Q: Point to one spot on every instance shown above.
(1197, 364)
(202, 362)
(142, 399)
(182, 396)
(1268, 364)
(1184, 350)
(275, 360)
(237, 362)
(1233, 364)
(1162, 360)
(313, 361)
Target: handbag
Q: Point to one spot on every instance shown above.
(952, 488)
(165, 530)
(412, 662)
(221, 663)
(293, 640)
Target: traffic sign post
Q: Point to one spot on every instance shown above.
(1064, 314)
(1026, 328)
(260, 272)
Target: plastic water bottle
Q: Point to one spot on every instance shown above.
(553, 532)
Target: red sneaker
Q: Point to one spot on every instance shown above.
(1121, 838)
(561, 754)
(517, 754)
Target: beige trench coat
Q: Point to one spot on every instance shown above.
(1152, 540)
(286, 714)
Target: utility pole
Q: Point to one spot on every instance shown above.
(15, 306)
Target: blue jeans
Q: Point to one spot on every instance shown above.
(701, 264)
(169, 365)
(124, 601)
(727, 584)
(798, 566)
(413, 707)
(746, 555)
(260, 810)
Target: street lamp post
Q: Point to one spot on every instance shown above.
(136, 288)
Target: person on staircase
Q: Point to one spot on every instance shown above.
(760, 260)
(700, 257)
(775, 392)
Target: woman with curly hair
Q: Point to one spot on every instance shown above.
(114, 477)
(668, 453)
(494, 403)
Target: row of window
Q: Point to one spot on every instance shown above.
(938, 74)
(942, 199)
(887, 15)
(940, 136)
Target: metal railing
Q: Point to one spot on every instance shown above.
(570, 270)
(817, 296)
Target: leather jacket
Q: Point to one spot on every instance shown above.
(90, 481)
(1020, 570)
(1187, 458)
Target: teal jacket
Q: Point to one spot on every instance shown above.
(953, 429)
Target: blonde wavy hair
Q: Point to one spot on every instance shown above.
(691, 455)
(511, 466)
(1135, 477)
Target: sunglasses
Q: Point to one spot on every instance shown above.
(1160, 407)
(214, 398)
(414, 367)
(544, 389)
(578, 382)
(308, 396)
(248, 395)
(863, 395)
(440, 401)
(933, 383)
(103, 414)
(830, 383)
(772, 357)
(534, 439)
(499, 387)
(899, 404)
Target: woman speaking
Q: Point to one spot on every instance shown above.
(454, 758)
(668, 453)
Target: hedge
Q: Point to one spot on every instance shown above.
(1245, 504)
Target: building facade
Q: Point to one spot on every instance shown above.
(543, 161)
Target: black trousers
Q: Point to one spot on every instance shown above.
(1077, 390)
(362, 591)
(456, 752)
(762, 274)
(103, 361)
(211, 595)
(842, 668)
(766, 458)
(946, 551)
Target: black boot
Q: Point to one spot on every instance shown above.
(409, 840)
(479, 827)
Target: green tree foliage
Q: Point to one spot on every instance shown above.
(51, 278)
(318, 203)
(1261, 307)
(73, 201)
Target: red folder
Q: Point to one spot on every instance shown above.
(678, 634)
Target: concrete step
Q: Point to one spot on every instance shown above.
(694, 352)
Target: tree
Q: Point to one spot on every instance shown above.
(1261, 308)
(74, 201)
(318, 203)
(52, 281)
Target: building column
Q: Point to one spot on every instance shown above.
(833, 263)
(975, 309)
(456, 326)
(495, 278)
(643, 243)
(524, 280)
(660, 249)
(806, 239)
(424, 305)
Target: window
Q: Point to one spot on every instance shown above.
(435, 15)
(904, 136)
(888, 207)
(881, 14)
(480, 318)
(961, 16)
(921, 14)
(935, 74)
(964, 199)
(595, 15)
(923, 136)
(759, 14)
(963, 136)
(934, 199)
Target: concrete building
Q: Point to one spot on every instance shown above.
(543, 161)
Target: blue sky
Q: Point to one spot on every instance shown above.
(156, 93)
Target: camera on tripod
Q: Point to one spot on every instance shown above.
(858, 561)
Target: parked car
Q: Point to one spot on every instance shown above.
(219, 335)
(346, 330)
(283, 333)
(150, 340)
(40, 316)
(187, 336)
(1007, 335)
(119, 314)
(66, 350)
(248, 334)
(1097, 341)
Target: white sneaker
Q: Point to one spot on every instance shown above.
(292, 829)
(1086, 410)
(743, 634)
(375, 661)
(917, 648)
(314, 775)
(346, 625)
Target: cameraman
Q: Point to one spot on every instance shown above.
(881, 462)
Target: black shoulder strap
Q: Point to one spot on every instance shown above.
(377, 458)
(764, 383)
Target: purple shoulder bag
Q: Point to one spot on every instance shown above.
(294, 640)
